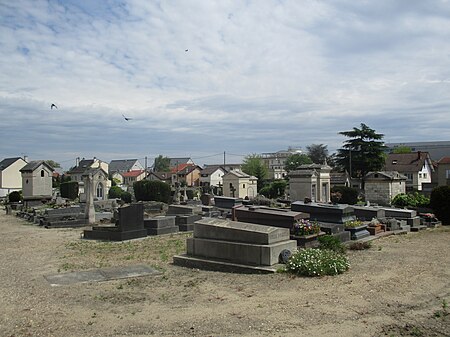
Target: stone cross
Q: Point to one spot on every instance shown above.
(89, 191)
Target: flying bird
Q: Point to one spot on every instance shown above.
(126, 118)
(186, 50)
(53, 106)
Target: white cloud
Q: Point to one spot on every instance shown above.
(258, 76)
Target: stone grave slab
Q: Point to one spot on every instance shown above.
(335, 229)
(186, 222)
(218, 242)
(226, 202)
(276, 217)
(100, 275)
(129, 225)
(325, 212)
(160, 225)
(367, 213)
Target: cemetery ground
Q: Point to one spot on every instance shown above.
(399, 287)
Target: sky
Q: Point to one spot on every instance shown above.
(200, 77)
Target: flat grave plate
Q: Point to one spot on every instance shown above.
(99, 275)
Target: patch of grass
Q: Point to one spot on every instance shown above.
(444, 311)
(331, 243)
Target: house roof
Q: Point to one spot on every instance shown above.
(121, 165)
(33, 165)
(183, 167)
(162, 175)
(240, 174)
(390, 175)
(339, 177)
(444, 160)
(7, 162)
(211, 169)
(407, 162)
(82, 166)
(93, 171)
(177, 161)
(133, 173)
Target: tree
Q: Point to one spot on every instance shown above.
(402, 149)
(254, 166)
(162, 164)
(275, 189)
(53, 163)
(440, 203)
(295, 160)
(148, 190)
(362, 153)
(318, 153)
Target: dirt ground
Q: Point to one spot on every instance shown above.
(399, 287)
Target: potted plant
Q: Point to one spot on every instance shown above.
(357, 229)
(306, 232)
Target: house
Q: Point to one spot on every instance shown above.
(226, 167)
(100, 183)
(310, 181)
(77, 172)
(211, 177)
(442, 175)
(37, 178)
(130, 177)
(165, 177)
(436, 149)
(237, 184)
(10, 176)
(174, 162)
(188, 173)
(276, 161)
(124, 165)
(416, 166)
(382, 186)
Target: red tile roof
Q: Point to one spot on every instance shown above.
(444, 160)
(134, 173)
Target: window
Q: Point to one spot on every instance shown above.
(243, 185)
(420, 175)
(424, 176)
(100, 190)
(42, 173)
(447, 174)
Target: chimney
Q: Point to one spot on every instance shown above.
(25, 158)
(419, 154)
(77, 161)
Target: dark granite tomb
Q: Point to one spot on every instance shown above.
(325, 212)
(276, 217)
(129, 225)
(161, 225)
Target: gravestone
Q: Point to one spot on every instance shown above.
(335, 229)
(160, 225)
(325, 212)
(8, 210)
(226, 202)
(89, 190)
(409, 216)
(185, 216)
(129, 225)
(276, 217)
(235, 246)
(366, 213)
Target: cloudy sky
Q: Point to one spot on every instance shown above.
(201, 77)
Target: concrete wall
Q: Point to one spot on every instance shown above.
(38, 182)
(383, 191)
(301, 187)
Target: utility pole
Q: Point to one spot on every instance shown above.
(145, 168)
(223, 159)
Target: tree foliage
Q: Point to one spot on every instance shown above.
(162, 164)
(295, 160)
(440, 203)
(362, 153)
(147, 190)
(254, 166)
(275, 189)
(15, 196)
(53, 163)
(69, 190)
(402, 149)
(318, 153)
(344, 195)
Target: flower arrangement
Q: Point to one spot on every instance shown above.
(305, 227)
(353, 223)
(317, 262)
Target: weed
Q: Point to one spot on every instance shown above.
(416, 332)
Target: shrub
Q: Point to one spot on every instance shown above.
(146, 190)
(440, 203)
(410, 200)
(115, 192)
(331, 243)
(275, 189)
(126, 197)
(317, 262)
(69, 190)
(15, 196)
(348, 195)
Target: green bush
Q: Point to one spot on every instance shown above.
(317, 262)
(126, 197)
(15, 196)
(331, 243)
(275, 189)
(69, 190)
(115, 192)
(410, 200)
(348, 195)
(440, 203)
(146, 190)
